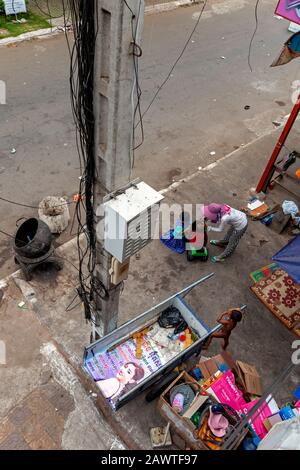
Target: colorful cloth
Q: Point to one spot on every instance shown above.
(281, 296)
(264, 272)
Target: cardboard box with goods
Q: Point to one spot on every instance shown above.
(211, 366)
(182, 425)
(249, 378)
(197, 403)
(246, 374)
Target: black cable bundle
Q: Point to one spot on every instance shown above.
(82, 53)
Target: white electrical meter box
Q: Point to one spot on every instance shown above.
(130, 220)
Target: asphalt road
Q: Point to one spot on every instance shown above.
(199, 111)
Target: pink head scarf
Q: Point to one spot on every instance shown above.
(214, 212)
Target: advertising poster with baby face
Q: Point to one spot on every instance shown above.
(289, 9)
(118, 371)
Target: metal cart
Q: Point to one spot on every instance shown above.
(143, 321)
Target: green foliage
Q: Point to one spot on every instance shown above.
(11, 28)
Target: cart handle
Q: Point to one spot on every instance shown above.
(188, 289)
(219, 326)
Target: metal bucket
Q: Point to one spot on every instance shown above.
(33, 239)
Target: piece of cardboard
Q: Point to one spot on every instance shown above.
(197, 403)
(211, 366)
(262, 209)
(226, 358)
(254, 205)
(271, 421)
(250, 378)
(204, 370)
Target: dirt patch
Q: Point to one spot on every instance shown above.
(280, 103)
(174, 173)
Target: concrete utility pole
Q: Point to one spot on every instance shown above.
(115, 82)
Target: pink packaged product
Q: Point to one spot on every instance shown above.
(178, 402)
(264, 412)
(225, 391)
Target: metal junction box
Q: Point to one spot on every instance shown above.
(130, 220)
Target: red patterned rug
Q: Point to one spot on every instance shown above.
(281, 296)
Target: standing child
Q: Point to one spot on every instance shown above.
(229, 320)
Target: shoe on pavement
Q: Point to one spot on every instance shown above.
(216, 259)
(217, 243)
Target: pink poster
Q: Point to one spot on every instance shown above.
(261, 415)
(289, 9)
(225, 391)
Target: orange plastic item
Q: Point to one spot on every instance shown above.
(139, 342)
(77, 197)
(188, 339)
(298, 173)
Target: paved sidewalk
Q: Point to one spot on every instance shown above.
(38, 421)
(43, 405)
(34, 361)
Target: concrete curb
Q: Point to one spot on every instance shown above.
(49, 32)
(162, 7)
(38, 34)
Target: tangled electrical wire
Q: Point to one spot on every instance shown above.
(136, 54)
(84, 19)
(15, 203)
(254, 34)
(175, 63)
(82, 57)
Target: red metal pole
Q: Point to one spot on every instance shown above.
(270, 168)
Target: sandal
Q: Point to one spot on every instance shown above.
(216, 259)
(217, 243)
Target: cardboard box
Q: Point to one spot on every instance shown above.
(271, 421)
(181, 425)
(208, 368)
(211, 366)
(249, 378)
(197, 403)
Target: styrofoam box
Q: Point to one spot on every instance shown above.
(130, 220)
